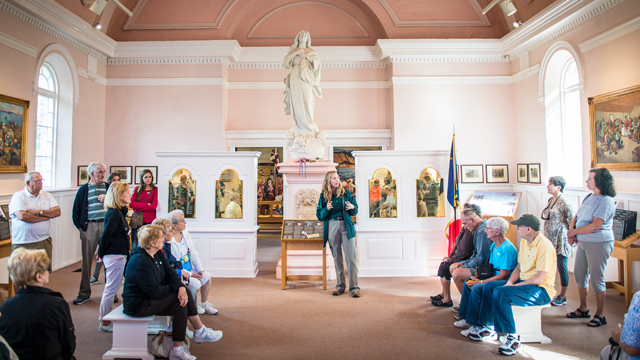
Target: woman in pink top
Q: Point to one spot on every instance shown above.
(144, 199)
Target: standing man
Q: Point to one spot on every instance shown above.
(429, 190)
(31, 210)
(88, 217)
(375, 197)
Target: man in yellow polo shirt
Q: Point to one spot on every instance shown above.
(531, 283)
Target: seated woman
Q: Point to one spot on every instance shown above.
(183, 249)
(37, 321)
(152, 287)
(475, 308)
(627, 336)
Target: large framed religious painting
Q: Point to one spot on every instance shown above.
(14, 114)
(614, 126)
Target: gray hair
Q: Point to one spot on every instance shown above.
(558, 181)
(93, 167)
(499, 223)
(30, 175)
(174, 216)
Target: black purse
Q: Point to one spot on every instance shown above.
(484, 271)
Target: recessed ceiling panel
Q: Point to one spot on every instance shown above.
(435, 12)
(173, 14)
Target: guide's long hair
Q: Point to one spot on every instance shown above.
(327, 192)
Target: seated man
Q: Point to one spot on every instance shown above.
(461, 251)
(461, 271)
(475, 306)
(531, 283)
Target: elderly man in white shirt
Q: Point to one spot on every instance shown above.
(31, 210)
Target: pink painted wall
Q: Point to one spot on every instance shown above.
(612, 66)
(141, 120)
(17, 71)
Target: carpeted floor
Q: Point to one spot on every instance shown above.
(392, 320)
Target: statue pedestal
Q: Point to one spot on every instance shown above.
(300, 202)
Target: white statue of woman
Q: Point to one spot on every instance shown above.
(302, 86)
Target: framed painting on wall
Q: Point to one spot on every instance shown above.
(497, 173)
(83, 175)
(471, 174)
(124, 172)
(534, 173)
(523, 173)
(14, 114)
(140, 169)
(615, 129)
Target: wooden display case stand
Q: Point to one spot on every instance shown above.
(626, 252)
(303, 244)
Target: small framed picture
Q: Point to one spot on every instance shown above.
(471, 174)
(497, 173)
(523, 173)
(140, 169)
(534, 173)
(83, 176)
(125, 173)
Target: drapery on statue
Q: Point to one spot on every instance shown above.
(302, 86)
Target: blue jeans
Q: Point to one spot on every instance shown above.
(475, 306)
(505, 296)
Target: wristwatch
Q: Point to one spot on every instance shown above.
(40, 212)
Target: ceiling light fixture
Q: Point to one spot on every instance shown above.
(99, 5)
(507, 7)
(516, 24)
(97, 25)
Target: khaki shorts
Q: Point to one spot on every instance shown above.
(45, 245)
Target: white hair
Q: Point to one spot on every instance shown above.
(174, 216)
(93, 167)
(499, 223)
(30, 175)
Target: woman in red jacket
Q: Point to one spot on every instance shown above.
(145, 200)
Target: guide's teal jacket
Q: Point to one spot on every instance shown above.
(323, 215)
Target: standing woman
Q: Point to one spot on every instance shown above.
(145, 200)
(558, 215)
(113, 247)
(593, 230)
(335, 208)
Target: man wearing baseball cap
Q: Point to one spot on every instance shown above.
(531, 283)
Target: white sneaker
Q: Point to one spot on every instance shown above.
(107, 328)
(485, 334)
(511, 346)
(208, 308)
(472, 330)
(208, 335)
(462, 324)
(189, 334)
(180, 354)
(200, 310)
(502, 339)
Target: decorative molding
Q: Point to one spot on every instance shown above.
(552, 23)
(482, 19)
(441, 50)
(131, 25)
(451, 80)
(525, 73)
(269, 138)
(18, 45)
(560, 45)
(608, 36)
(57, 48)
(92, 76)
(447, 59)
(53, 19)
(178, 49)
(166, 61)
(216, 81)
(366, 34)
(279, 85)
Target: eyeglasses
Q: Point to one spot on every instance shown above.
(38, 181)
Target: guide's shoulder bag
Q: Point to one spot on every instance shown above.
(484, 271)
(137, 219)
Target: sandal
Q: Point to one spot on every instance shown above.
(437, 297)
(579, 314)
(440, 303)
(597, 321)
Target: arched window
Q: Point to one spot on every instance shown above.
(563, 119)
(47, 119)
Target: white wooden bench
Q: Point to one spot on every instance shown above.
(528, 321)
(130, 334)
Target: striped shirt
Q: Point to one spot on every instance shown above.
(24, 232)
(96, 208)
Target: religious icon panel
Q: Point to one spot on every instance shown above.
(382, 195)
(182, 193)
(429, 194)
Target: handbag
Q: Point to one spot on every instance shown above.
(161, 344)
(137, 219)
(484, 271)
